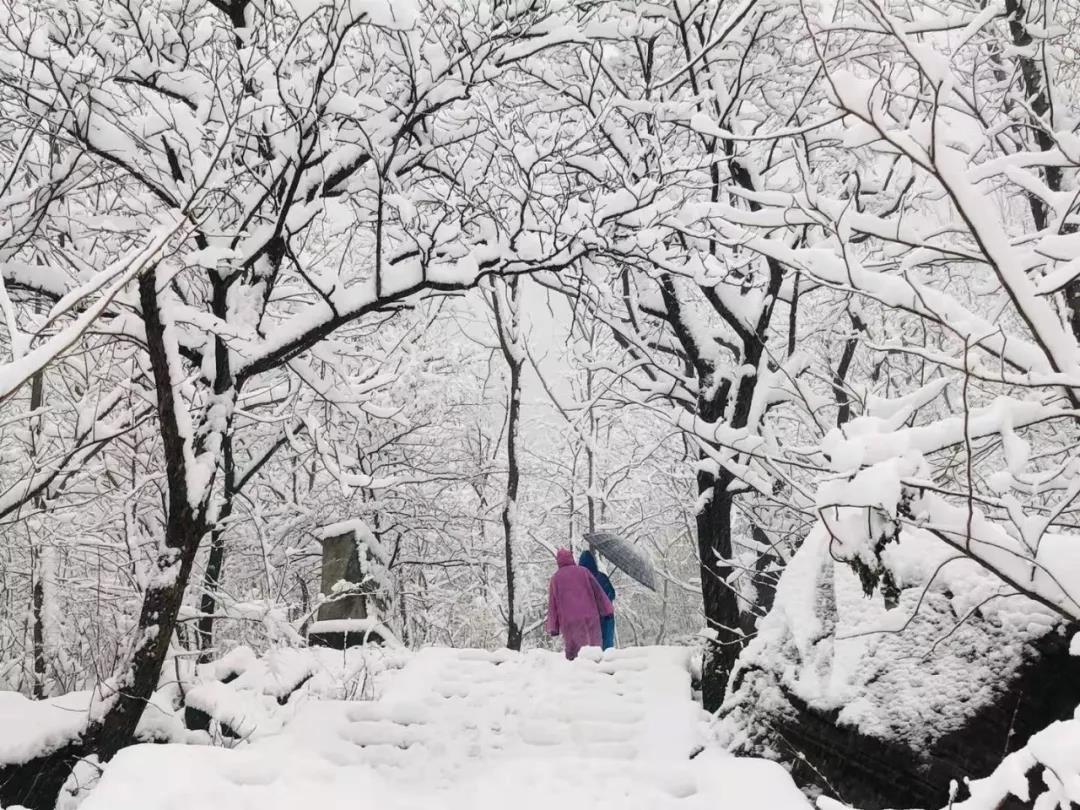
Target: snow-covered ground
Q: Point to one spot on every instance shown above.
(471, 729)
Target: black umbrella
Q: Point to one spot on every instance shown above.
(623, 556)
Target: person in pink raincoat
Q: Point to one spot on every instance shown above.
(575, 604)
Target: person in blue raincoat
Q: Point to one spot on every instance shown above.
(607, 623)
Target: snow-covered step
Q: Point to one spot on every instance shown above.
(404, 713)
(383, 732)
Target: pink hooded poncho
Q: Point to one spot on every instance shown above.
(575, 604)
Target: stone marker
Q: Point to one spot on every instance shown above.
(341, 563)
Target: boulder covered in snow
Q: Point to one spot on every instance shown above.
(884, 707)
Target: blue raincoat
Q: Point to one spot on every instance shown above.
(607, 623)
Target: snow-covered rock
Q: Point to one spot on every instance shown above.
(833, 676)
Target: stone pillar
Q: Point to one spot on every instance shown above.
(341, 561)
(345, 621)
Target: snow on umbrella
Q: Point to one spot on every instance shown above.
(623, 556)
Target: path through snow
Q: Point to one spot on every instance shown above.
(470, 729)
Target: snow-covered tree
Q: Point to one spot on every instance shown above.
(298, 168)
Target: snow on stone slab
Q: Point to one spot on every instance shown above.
(354, 627)
(472, 729)
(364, 537)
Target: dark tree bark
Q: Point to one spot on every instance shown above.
(223, 379)
(185, 527)
(720, 603)
(590, 454)
(212, 578)
(714, 522)
(509, 517)
(38, 602)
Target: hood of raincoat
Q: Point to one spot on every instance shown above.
(564, 557)
(587, 560)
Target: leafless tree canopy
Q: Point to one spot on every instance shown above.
(488, 275)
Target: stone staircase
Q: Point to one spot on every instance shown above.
(471, 730)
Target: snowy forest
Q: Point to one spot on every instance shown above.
(782, 294)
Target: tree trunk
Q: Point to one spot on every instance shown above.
(509, 514)
(37, 783)
(403, 611)
(219, 305)
(590, 459)
(507, 328)
(184, 529)
(38, 602)
(215, 563)
(719, 600)
(157, 620)
(211, 583)
(38, 569)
